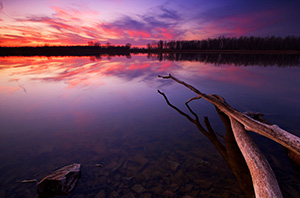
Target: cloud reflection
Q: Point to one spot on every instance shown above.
(81, 72)
(5, 92)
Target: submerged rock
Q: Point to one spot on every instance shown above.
(138, 188)
(173, 165)
(60, 182)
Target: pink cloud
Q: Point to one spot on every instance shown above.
(110, 30)
(134, 34)
(242, 25)
(60, 28)
(71, 26)
(164, 33)
(61, 14)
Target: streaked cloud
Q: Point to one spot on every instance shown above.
(66, 24)
(66, 27)
(241, 25)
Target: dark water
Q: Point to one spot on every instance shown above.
(62, 110)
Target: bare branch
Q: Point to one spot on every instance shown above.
(177, 109)
(209, 134)
(208, 126)
(264, 180)
(183, 83)
(192, 112)
(195, 98)
(273, 132)
(164, 77)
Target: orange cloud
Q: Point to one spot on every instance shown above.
(64, 27)
(136, 33)
(60, 13)
(71, 26)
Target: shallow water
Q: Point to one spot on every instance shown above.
(61, 110)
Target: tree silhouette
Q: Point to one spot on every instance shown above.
(97, 44)
(241, 43)
(128, 45)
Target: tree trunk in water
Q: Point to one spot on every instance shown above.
(264, 180)
(273, 132)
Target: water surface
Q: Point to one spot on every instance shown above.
(61, 110)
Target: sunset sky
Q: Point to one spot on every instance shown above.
(71, 22)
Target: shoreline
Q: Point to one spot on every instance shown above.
(94, 51)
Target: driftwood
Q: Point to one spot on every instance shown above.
(264, 180)
(273, 132)
(229, 151)
(25, 181)
(60, 182)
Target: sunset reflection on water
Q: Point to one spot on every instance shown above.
(59, 110)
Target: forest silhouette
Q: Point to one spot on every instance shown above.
(241, 43)
(264, 51)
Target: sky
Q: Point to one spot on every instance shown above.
(76, 22)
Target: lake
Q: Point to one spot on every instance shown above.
(106, 110)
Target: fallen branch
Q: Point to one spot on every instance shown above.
(263, 177)
(264, 181)
(273, 132)
(229, 151)
(27, 181)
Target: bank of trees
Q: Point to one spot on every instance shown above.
(223, 43)
(108, 45)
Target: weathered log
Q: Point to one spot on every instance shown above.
(236, 159)
(60, 182)
(273, 132)
(230, 151)
(264, 180)
(294, 157)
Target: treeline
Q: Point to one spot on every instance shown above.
(280, 60)
(241, 43)
(64, 50)
(258, 45)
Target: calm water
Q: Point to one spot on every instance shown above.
(61, 110)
